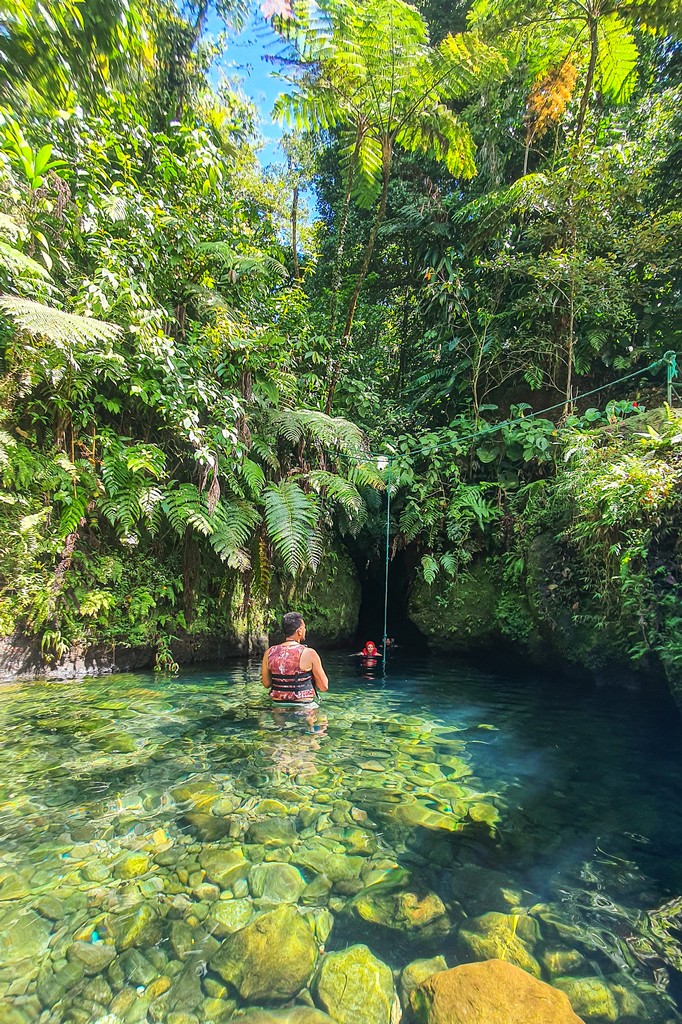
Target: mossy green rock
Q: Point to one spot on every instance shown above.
(496, 936)
(329, 599)
(23, 937)
(207, 827)
(132, 865)
(270, 959)
(272, 832)
(590, 997)
(94, 957)
(139, 927)
(354, 987)
(228, 916)
(457, 615)
(416, 972)
(292, 1015)
(403, 911)
(337, 867)
(224, 866)
(276, 883)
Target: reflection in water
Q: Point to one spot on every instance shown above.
(443, 812)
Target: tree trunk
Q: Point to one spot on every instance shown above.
(369, 250)
(294, 234)
(336, 274)
(194, 38)
(589, 81)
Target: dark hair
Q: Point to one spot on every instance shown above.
(290, 623)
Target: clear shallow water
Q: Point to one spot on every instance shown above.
(448, 812)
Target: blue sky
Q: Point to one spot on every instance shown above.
(244, 59)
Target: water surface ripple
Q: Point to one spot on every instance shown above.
(446, 810)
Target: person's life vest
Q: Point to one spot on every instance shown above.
(288, 683)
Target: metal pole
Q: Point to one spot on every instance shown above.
(388, 528)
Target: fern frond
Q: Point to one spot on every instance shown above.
(330, 431)
(430, 568)
(184, 506)
(21, 266)
(291, 519)
(617, 58)
(341, 491)
(254, 476)
(233, 525)
(61, 328)
(410, 522)
(366, 474)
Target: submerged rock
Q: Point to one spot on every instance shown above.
(94, 957)
(354, 987)
(140, 927)
(592, 997)
(494, 992)
(132, 865)
(402, 911)
(417, 972)
(229, 916)
(23, 937)
(272, 958)
(496, 936)
(276, 883)
(292, 1015)
(272, 832)
(224, 867)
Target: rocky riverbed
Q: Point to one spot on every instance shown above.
(182, 853)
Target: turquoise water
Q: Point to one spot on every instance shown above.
(145, 820)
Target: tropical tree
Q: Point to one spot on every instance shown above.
(369, 71)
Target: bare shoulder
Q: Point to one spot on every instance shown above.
(309, 657)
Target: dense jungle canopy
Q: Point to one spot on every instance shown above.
(477, 216)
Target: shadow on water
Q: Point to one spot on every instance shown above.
(440, 810)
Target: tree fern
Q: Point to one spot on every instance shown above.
(233, 525)
(328, 431)
(253, 475)
(62, 328)
(291, 519)
(341, 491)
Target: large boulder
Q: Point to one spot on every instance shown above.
(493, 992)
(271, 958)
(354, 987)
(457, 615)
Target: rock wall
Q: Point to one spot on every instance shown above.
(329, 600)
(534, 616)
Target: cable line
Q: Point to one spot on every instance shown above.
(669, 360)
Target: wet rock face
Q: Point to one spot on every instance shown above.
(493, 992)
(270, 959)
(354, 987)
